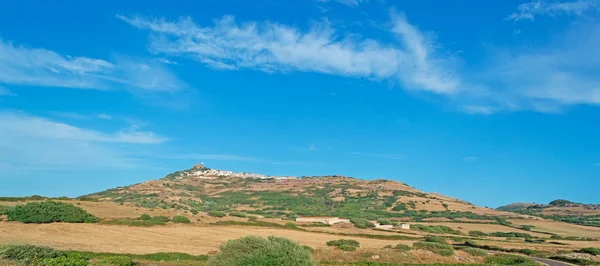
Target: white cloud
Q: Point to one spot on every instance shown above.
(478, 109)
(273, 47)
(350, 3)
(386, 156)
(6, 92)
(22, 124)
(22, 65)
(597, 164)
(529, 10)
(471, 159)
(104, 117)
(30, 142)
(548, 77)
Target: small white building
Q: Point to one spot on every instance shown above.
(322, 219)
(404, 226)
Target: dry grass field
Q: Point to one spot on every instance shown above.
(564, 229)
(189, 239)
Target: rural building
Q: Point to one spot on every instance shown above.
(322, 219)
(404, 226)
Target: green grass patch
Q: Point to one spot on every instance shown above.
(218, 214)
(435, 248)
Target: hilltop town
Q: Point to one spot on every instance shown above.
(200, 171)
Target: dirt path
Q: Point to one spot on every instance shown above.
(140, 240)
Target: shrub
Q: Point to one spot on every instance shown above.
(433, 247)
(252, 250)
(238, 214)
(115, 261)
(50, 212)
(510, 234)
(181, 220)
(400, 207)
(218, 214)
(291, 225)
(161, 219)
(4, 209)
(64, 261)
(362, 223)
(383, 221)
(477, 233)
(593, 251)
(29, 253)
(475, 251)
(436, 239)
(388, 247)
(344, 244)
(145, 217)
(504, 259)
(402, 247)
(437, 229)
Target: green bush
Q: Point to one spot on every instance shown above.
(402, 247)
(383, 221)
(218, 214)
(436, 229)
(238, 214)
(436, 239)
(510, 234)
(63, 261)
(115, 261)
(291, 225)
(477, 233)
(344, 244)
(181, 220)
(593, 251)
(161, 219)
(362, 223)
(475, 251)
(388, 247)
(433, 247)
(145, 217)
(4, 209)
(29, 253)
(50, 212)
(504, 259)
(252, 250)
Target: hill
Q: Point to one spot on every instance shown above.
(559, 210)
(201, 189)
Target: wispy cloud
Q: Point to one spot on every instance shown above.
(350, 3)
(529, 10)
(386, 156)
(104, 117)
(29, 142)
(273, 47)
(478, 109)
(23, 124)
(313, 147)
(23, 65)
(6, 92)
(471, 159)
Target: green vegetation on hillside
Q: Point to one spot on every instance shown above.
(49, 212)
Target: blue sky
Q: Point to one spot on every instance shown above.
(490, 101)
